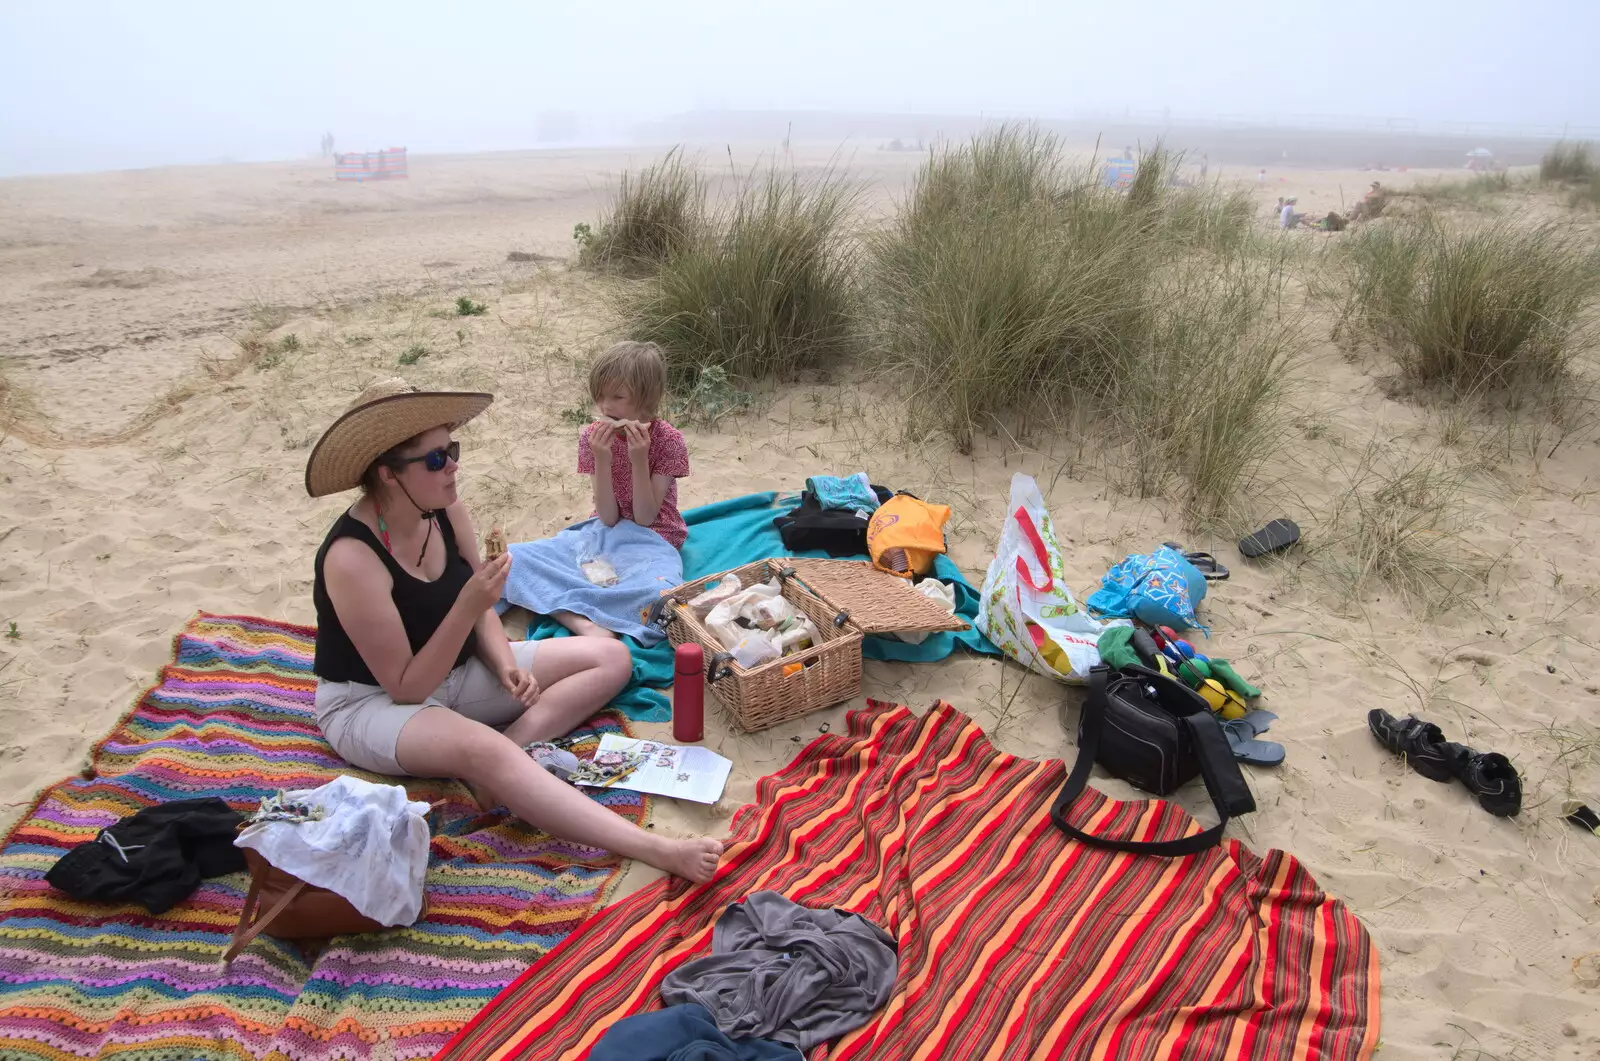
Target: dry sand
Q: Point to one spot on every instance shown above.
(158, 472)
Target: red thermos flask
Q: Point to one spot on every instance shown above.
(688, 693)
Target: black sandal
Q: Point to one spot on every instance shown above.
(1207, 565)
(1579, 814)
(1204, 563)
(1422, 744)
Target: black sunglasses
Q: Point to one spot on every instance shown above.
(434, 460)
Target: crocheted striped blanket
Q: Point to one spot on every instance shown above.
(1015, 942)
(232, 717)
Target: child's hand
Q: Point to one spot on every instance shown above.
(638, 441)
(600, 437)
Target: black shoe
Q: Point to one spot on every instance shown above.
(1421, 743)
(1491, 777)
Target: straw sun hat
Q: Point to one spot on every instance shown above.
(382, 417)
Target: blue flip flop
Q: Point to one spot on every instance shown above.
(1246, 748)
(1260, 720)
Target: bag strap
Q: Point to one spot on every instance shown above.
(1207, 735)
(245, 932)
(1031, 533)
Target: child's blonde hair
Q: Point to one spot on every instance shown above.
(638, 366)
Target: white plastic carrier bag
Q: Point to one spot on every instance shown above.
(1027, 609)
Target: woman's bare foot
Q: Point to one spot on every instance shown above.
(693, 859)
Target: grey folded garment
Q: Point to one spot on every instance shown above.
(789, 973)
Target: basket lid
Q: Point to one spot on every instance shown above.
(876, 602)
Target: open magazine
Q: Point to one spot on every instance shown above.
(691, 773)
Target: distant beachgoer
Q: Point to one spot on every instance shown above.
(1205, 166)
(1370, 203)
(1261, 178)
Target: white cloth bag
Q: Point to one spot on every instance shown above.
(370, 846)
(1026, 584)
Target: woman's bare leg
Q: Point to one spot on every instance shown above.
(437, 742)
(582, 627)
(577, 676)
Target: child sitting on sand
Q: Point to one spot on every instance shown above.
(634, 457)
(596, 578)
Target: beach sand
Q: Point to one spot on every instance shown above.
(158, 430)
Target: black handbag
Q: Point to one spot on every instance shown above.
(1155, 733)
(835, 531)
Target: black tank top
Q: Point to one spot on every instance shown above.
(422, 605)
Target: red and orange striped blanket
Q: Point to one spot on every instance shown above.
(1015, 942)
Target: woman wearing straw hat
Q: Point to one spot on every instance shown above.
(414, 672)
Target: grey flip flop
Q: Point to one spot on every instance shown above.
(1247, 749)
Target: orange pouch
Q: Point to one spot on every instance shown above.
(905, 535)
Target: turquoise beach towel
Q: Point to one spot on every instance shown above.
(739, 531)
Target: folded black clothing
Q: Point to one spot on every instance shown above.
(157, 857)
(836, 531)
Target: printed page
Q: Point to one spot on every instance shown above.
(691, 772)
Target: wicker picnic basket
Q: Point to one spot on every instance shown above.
(847, 600)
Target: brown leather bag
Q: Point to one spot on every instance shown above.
(294, 909)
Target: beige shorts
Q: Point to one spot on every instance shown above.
(363, 722)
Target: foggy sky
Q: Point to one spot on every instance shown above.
(107, 85)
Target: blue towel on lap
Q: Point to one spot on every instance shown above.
(728, 534)
(546, 576)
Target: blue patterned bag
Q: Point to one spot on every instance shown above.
(1161, 589)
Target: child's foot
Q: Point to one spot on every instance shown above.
(694, 859)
